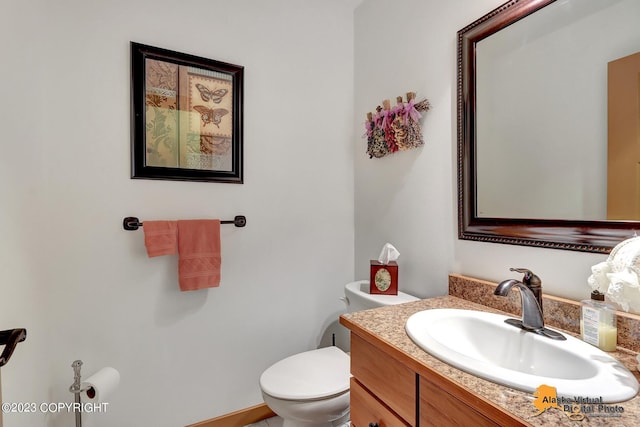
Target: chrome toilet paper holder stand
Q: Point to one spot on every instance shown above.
(76, 389)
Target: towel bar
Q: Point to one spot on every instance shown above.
(131, 223)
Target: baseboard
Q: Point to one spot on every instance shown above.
(239, 418)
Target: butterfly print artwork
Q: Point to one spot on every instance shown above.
(219, 146)
(210, 115)
(208, 95)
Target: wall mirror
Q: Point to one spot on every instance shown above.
(542, 133)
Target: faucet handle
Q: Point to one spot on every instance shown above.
(531, 280)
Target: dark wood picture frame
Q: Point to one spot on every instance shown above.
(187, 117)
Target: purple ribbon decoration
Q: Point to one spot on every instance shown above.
(410, 111)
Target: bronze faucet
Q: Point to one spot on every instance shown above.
(531, 296)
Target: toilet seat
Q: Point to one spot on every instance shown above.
(314, 374)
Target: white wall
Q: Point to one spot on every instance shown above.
(410, 198)
(23, 294)
(84, 288)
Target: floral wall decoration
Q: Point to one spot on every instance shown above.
(395, 128)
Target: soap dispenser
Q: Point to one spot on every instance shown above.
(598, 322)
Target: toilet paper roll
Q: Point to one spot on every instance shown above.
(100, 385)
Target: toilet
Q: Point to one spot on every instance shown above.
(311, 389)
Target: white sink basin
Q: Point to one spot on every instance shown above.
(482, 344)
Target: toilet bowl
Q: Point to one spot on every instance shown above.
(311, 389)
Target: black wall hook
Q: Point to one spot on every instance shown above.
(10, 339)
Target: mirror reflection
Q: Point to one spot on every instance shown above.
(557, 114)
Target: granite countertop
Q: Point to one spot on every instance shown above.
(387, 325)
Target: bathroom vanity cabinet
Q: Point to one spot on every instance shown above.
(396, 383)
(386, 391)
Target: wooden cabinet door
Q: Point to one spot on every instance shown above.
(385, 377)
(366, 409)
(438, 408)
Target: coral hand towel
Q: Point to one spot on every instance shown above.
(198, 254)
(160, 237)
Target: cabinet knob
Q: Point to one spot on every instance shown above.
(374, 425)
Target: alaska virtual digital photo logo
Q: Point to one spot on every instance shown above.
(576, 408)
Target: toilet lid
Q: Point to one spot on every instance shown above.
(310, 375)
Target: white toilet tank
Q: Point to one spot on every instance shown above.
(357, 297)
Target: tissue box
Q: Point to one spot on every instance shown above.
(384, 278)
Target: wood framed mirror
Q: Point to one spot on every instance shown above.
(533, 109)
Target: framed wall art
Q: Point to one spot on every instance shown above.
(186, 117)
